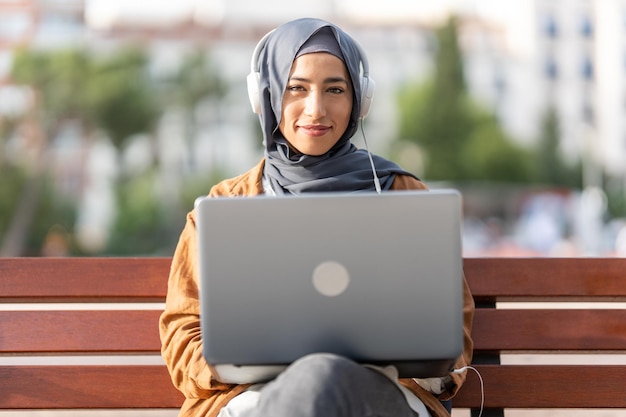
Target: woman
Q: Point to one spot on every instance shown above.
(309, 92)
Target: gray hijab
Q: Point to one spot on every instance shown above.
(343, 167)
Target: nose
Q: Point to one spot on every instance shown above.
(314, 105)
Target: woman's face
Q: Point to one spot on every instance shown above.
(317, 103)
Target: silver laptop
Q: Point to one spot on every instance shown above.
(374, 277)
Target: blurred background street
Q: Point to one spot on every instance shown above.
(116, 114)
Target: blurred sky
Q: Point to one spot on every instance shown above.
(168, 9)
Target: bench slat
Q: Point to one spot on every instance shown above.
(83, 279)
(509, 386)
(105, 279)
(545, 386)
(540, 278)
(58, 387)
(116, 331)
(120, 331)
(539, 330)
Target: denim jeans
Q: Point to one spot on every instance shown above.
(325, 385)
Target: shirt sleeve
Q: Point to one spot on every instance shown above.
(179, 324)
(453, 385)
(453, 382)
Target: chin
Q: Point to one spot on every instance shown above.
(314, 150)
(312, 147)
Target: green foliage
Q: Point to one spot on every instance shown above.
(54, 221)
(8, 125)
(199, 185)
(143, 225)
(53, 213)
(461, 141)
(57, 78)
(449, 77)
(10, 186)
(140, 226)
(489, 155)
(616, 197)
(550, 164)
(122, 96)
(195, 80)
(466, 144)
(111, 93)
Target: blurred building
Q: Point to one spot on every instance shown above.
(570, 61)
(567, 63)
(40, 23)
(577, 65)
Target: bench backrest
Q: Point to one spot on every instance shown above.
(85, 329)
(89, 321)
(555, 307)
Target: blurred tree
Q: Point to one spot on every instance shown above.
(199, 185)
(551, 167)
(150, 214)
(53, 222)
(140, 226)
(489, 155)
(460, 140)
(110, 94)
(8, 124)
(53, 79)
(120, 97)
(144, 225)
(196, 82)
(10, 186)
(615, 189)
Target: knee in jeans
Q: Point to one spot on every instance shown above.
(326, 366)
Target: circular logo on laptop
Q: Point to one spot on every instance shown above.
(331, 278)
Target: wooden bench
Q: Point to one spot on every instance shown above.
(87, 336)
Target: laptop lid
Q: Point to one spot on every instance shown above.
(374, 277)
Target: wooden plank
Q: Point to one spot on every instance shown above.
(83, 279)
(137, 331)
(110, 279)
(541, 330)
(85, 387)
(495, 279)
(73, 332)
(506, 386)
(549, 386)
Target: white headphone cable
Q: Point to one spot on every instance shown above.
(482, 387)
(369, 154)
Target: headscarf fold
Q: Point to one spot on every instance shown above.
(344, 167)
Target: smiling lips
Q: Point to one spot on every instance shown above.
(315, 130)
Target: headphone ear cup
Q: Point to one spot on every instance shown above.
(253, 80)
(367, 94)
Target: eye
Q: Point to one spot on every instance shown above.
(295, 88)
(336, 90)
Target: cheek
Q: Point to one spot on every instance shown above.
(289, 113)
(285, 118)
(344, 111)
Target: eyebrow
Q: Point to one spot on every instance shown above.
(329, 80)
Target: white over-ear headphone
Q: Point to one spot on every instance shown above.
(367, 84)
